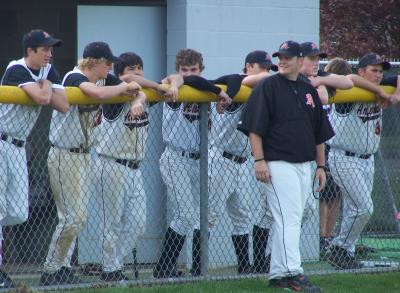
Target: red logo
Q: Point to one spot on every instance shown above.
(46, 35)
(285, 45)
(267, 57)
(314, 46)
(309, 100)
(378, 128)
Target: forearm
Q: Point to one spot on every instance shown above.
(337, 81)
(320, 156)
(175, 80)
(365, 84)
(108, 92)
(252, 80)
(256, 146)
(59, 100)
(145, 83)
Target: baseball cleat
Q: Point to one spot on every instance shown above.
(299, 283)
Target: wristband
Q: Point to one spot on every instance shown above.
(321, 167)
(258, 160)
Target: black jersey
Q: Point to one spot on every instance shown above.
(288, 115)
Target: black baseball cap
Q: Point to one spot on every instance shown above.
(99, 50)
(311, 49)
(289, 49)
(373, 59)
(39, 38)
(262, 58)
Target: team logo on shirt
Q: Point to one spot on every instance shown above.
(133, 122)
(378, 128)
(191, 112)
(174, 106)
(97, 118)
(234, 108)
(309, 100)
(368, 112)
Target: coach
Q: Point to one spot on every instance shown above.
(287, 129)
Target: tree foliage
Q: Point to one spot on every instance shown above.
(350, 28)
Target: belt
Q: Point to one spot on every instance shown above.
(80, 150)
(350, 154)
(236, 159)
(194, 156)
(129, 163)
(18, 143)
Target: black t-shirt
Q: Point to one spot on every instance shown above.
(17, 75)
(288, 115)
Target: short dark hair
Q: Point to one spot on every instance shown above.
(189, 57)
(126, 59)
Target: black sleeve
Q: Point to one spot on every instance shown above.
(256, 114)
(53, 76)
(232, 81)
(75, 79)
(391, 80)
(112, 80)
(201, 84)
(16, 75)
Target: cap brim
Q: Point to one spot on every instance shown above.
(323, 55)
(52, 43)
(113, 58)
(319, 54)
(286, 54)
(274, 67)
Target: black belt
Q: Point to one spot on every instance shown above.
(80, 150)
(194, 156)
(129, 163)
(236, 159)
(364, 157)
(14, 141)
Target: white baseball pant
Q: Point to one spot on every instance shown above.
(287, 194)
(355, 178)
(70, 178)
(181, 175)
(14, 204)
(123, 203)
(229, 186)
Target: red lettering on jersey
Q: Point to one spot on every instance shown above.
(309, 100)
(97, 118)
(378, 128)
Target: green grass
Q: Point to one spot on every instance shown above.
(338, 283)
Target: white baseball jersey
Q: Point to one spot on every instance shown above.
(180, 126)
(120, 135)
(224, 134)
(18, 120)
(359, 130)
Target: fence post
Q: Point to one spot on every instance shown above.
(204, 188)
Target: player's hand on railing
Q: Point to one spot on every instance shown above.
(133, 89)
(170, 93)
(394, 99)
(320, 176)
(262, 172)
(223, 101)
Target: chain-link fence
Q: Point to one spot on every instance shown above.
(142, 217)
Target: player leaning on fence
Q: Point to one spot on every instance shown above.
(40, 81)
(69, 161)
(287, 128)
(358, 128)
(179, 164)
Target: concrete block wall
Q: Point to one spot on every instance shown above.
(225, 31)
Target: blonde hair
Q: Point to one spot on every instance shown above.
(89, 63)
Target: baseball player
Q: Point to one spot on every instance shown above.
(287, 128)
(322, 81)
(40, 81)
(330, 197)
(121, 139)
(230, 155)
(179, 164)
(358, 128)
(69, 161)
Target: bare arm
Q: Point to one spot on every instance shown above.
(333, 80)
(40, 92)
(137, 107)
(143, 82)
(367, 85)
(103, 92)
(320, 172)
(59, 100)
(252, 80)
(395, 97)
(323, 94)
(260, 165)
